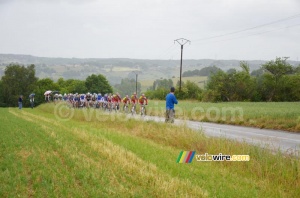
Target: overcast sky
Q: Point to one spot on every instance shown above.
(146, 29)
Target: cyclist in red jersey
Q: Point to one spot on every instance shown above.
(116, 100)
(134, 101)
(134, 98)
(143, 101)
(126, 101)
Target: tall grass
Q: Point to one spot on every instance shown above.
(126, 157)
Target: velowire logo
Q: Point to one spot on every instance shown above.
(186, 156)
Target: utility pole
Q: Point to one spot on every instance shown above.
(136, 76)
(181, 42)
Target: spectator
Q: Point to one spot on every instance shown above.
(20, 102)
(170, 101)
(31, 98)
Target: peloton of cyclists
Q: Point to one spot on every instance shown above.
(106, 101)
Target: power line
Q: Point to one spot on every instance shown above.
(171, 48)
(253, 34)
(247, 29)
(167, 51)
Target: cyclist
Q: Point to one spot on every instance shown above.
(126, 102)
(82, 100)
(76, 100)
(55, 98)
(134, 101)
(99, 100)
(88, 98)
(116, 100)
(109, 101)
(104, 101)
(94, 98)
(71, 99)
(65, 97)
(143, 101)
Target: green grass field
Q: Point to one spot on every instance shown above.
(271, 115)
(99, 155)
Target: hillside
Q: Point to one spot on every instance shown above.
(116, 68)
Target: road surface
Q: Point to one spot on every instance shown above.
(274, 139)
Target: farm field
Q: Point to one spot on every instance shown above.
(271, 115)
(92, 154)
(199, 80)
(120, 69)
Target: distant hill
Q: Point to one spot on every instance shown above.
(117, 68)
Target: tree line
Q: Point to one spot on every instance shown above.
(206, 71)
(276, 80)
(20, 80)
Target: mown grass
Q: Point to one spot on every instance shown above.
(98, 155)
(271, 115)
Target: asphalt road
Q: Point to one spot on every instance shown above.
(272, 139)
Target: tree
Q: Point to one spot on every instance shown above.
(231, 71)
(296, 69)
(76, 86)
(98, 84)
(245, 66)
(276, 70)
(290, 90)
(244, 84)
(1, 95)
(128, 86)
(43, 85)
(258, 72)
(206, 71)
(61, 82)
(18, 80)
(71, 86)
(221, 83)
(190, 90)
(232, 86)
(162, 84)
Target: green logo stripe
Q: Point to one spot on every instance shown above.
(179, 157)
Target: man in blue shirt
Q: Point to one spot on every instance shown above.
(170, 101)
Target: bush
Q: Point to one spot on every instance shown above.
(2, 104)
(159, 94)
(189, 90)
(211, 96)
